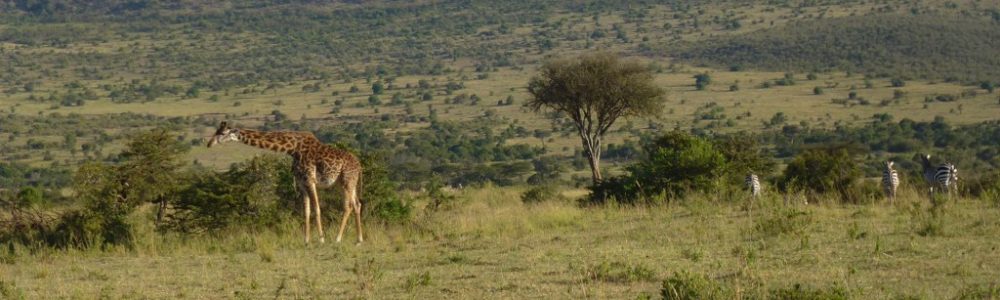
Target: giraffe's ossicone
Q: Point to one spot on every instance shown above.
(314, 164)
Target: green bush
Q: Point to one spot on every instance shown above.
(743, 155)
(617, 189)
(831, 168)
(379, 197)
(259, 192)
(677, 163)
(539, 194)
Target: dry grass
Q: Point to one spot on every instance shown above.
(491, 245)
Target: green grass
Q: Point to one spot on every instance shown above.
(491, 245)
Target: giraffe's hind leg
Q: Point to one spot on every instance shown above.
(344, 218)
(319, 216)
(351, 192)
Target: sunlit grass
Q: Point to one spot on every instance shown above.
(489, 244)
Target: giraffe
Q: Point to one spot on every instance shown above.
(313, 164)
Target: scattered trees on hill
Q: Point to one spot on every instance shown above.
(962, 49)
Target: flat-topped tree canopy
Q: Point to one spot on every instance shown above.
(593, 91)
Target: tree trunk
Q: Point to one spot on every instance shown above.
(593, 146)
(595, 168)
(159, 213)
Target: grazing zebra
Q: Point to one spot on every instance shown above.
(753, 185)
(954, 178)
(940, 177)
(890, 181)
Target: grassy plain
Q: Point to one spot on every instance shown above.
(490, 245)
(747, 108)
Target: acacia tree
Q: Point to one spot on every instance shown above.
(150, 168)
(594, 91)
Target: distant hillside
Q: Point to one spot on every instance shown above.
(934, 47)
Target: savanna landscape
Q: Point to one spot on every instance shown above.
(480, 175)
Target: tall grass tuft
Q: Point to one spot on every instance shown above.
(780, 220)
(619, 272)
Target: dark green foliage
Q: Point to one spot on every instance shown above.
(258, 193)
(924, 46)
(150, 168)
(777, 119)
(593, 91)
(618, 189)
(539, 194)
(825, 169)
(29, 197)
(675, 163)
(16, 175)
(898, 82)
(547, 170)
(379, 197)
(701, 81)
(988, 86)
(744, 155)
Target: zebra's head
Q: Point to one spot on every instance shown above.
(888, 164)
(925, 159)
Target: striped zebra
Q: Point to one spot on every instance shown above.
(953, 180)
(753, 185)
(890, 181)
(941, 177)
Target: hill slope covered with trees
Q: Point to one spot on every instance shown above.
(931, 47)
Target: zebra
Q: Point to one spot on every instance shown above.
(941, 177)
(753, 185)
(954, 178)
(890, 181)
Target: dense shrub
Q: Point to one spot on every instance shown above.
(539, 194)
(618, 189)
(379, 198)
(676, 163)
(831, 168)
(744, 154)
(258, 192)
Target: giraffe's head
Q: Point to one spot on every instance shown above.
(223, 134)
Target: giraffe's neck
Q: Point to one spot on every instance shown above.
(284, 142)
